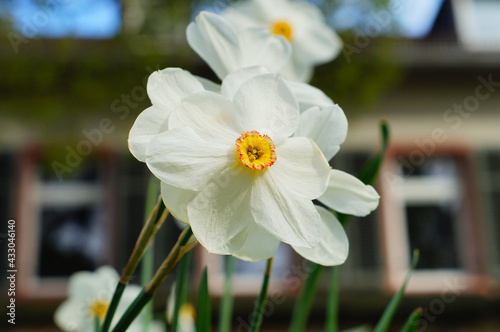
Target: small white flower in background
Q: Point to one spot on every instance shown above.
(89, 295)
(301, 23)
(252, 183)
(226, 50)
(187, 314)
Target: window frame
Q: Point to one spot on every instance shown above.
(472, 277)
(28, 207)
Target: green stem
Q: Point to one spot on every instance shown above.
(97, 324)
(147, 265)
(261, 301)
(306, 298)
(412, 322)
(151, 226)
(332, 309)
(227, 300)
(120, 287)
(180, 248)
(173, 257)
(133, 311)
(180, 289)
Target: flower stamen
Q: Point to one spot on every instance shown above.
(255, 151)
(282, 28)
(99, 308)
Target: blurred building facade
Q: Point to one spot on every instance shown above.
(78, 201)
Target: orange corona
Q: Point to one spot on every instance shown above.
(282, 28)
(255, 151)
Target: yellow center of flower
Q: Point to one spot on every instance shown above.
(282, 28)
(256, 151)
(98, 309)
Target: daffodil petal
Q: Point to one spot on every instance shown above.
(266, 104)
(210, 115)
(304, 167)
(176, 200)
(260, 48)
(288, 215)
(321, 45)
(181, 158)
(221, 211)
(215, 40)
(246, 14)
(68, 316)
(208, 84)
(327, 127)
(333, 246)
(297, 70)
(346, 194)
(259, 244)
(167, 87)
(83, 283)
(147, 125)
(235, 80)
(308, 96)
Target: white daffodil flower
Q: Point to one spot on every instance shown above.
(89, 296)
(252, 183)
(225, 50)
(165, 88)
(301, 23)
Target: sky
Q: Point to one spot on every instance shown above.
(93, 19)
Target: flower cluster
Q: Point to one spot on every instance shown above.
(241, 162)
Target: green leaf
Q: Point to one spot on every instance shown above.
(306, 298)
(369, 172)
(261, 300)
(389, 312)
(412, 322)
(332, 307)
(362, 328)
(226, 310)
(117, 295)
(203, 309)
(181, 289)
(147, 264)
(133, 311)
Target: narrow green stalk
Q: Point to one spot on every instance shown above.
(306, 298)
(120, 287)
(261, 301)
(181, 289)
(97, 324)
(332, 309)
(133, 311)
(151, 226)
(180, 248)
(226, 311)
(412, 322)
(204, 307)
(147, 265)
(385, 320)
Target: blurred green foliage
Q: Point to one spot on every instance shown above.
(57, 87)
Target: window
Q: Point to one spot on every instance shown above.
(488, 186)
(428, 204)
(64, 226)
